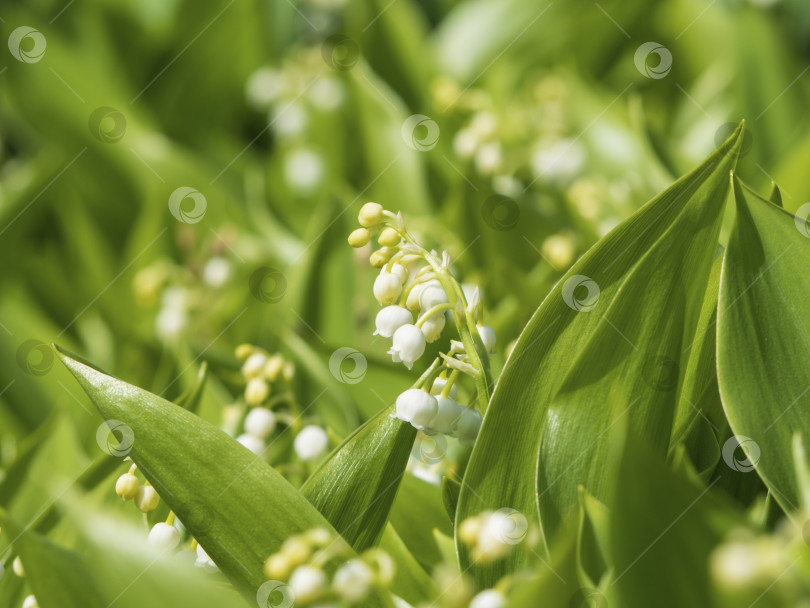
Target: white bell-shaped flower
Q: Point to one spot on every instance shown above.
(412, 301)
(489, 598)
(432, 327)
(432, 294)
(438, 386)
(353, 581)
(387, 287)
(252, 367)
(260, 422)
(30, 602)
(417, 407)
(311, 442)
(487, 337)
(307, 583)
(204, 561)
(408, 345)
(390, 319)
(400, 272)
(164, 537)
(447, 416)
(251, 442)
(468, 425)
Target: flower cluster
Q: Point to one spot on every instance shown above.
(492, 535)
(305, 561)
(416, 282)
(268, 388)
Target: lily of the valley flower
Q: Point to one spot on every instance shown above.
(432, 327)
(489, 598)
(390, 319)
(204, 561)
(311, 443)
(417, 407)
(447, 416)
(307, 583)
(353, 581)
(387, 287)
(487, 337)
(146, 498)
(127, 486)
(260, 422)
(408, 345)
(164, 537)
(468, 425)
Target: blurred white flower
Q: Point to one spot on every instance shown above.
(251, 442)
(164, 537)
(204, 561)
(216, 272)
(311, 442)
(468, 425)
(260, 422)
(263, 87)
(353, 580)
(303, 170)
(307, 583)
(489, 598)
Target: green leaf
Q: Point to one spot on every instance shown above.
(586, 362)
(237, 506)
(411, 582)
(355, 486)
(190, 399)
(450, 491)
(763, 344)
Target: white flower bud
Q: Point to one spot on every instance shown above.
(274, 367)
(251, 442)
(468, 425)
(387, 287)
(126, 486)
(399, 271)
(307, 583)
(147, 499)
(412, 301)
(438, 386)
(30, 602)
(390, 319)
(318, 537)
(260, 422)
(417, 407)
(216, 272)
(470, 528)
(370, 214)
(256, 391)
(493, 540)
(488, 158)
(408, 345)
(253, 366)
(487, 337)
(432, 327)
(17, 566)
(447, 416)
(465, 143)
(204, 561)
(432, 294)
(489, 598)
(164, 537)
(311, 443)
(353, 580)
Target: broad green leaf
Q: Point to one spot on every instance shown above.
(238, 507)
(663, 529)
(776, 195)
(417, 511)
(607, 344)
(355, 486)
(450, 491)
(190, 399)
(412, 583)
(763, 344)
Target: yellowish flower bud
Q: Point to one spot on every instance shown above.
(277, 567)
(469, 529)
(274, 367)
(126, 486)
(146, 499)
(18, 567)
(389, 238)
(243, 351)
(296, 550)
(289, 371)
(256, 391)
(370, 214)
(359, 237)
